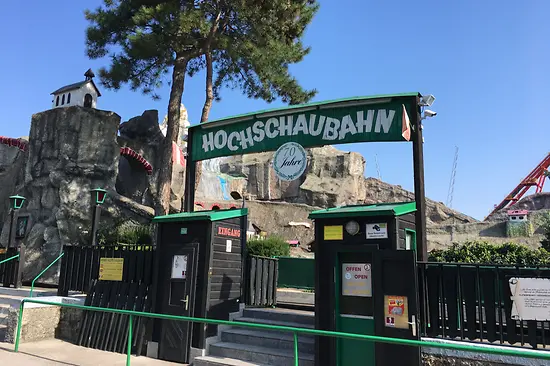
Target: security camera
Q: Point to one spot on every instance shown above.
(429, 113)
(427, 100)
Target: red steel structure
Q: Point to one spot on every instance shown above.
(536, 178)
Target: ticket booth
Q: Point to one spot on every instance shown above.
(366, 283)
(200, 272)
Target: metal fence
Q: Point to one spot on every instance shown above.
(261, 281)
(296, 273)
(131, 315)
(11, 260)
(80, 265)
(473, 302)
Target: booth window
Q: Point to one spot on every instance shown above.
(410, 239)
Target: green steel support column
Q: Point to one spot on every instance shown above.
(296, 358)
(129, 355)
(19, 321)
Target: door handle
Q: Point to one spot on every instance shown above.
(186, 301)
(413, 323)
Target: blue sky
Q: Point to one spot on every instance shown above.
(485, 61)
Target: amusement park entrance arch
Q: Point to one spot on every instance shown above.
(389, 118)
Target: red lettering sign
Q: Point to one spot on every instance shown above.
(227, 231)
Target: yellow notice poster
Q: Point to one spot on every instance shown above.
(334, 232)
(110, 269)
(396, 312)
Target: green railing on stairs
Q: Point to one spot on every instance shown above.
(544, 355)
(45, 269)
(9, 259)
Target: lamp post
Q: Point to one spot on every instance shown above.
(98, 198)
(16, 202)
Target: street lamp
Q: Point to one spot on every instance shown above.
(16, 202)
(98, 198)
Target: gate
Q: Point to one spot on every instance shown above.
(261, 281)
(473, 302)
(80, 265)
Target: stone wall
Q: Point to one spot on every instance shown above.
(12, 173)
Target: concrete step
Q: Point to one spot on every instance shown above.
(282, 315)
(25, 291)
(277, 340)
(221, 361)
(263, 355)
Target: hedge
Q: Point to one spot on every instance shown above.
(484, 252)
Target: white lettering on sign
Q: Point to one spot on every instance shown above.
(531, 298)
(356, 279)
(328, 127)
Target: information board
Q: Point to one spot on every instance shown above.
(356, 279)
(396, 312)
(179, 266)
(377, 231)
(530, 298)
(111, 269)
(333, 232)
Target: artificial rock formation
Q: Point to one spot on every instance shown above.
(12, 173)
(71, 151)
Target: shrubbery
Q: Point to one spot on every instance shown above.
(126, 233)
(488, 253)
(272, 246)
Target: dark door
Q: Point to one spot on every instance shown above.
(88, 101)
(178, 281)
(354, 307)
(396, 306)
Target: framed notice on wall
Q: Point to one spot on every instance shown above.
(356, 279)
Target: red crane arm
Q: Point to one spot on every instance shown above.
(535, 178)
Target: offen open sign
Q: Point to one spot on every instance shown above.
(358, 276)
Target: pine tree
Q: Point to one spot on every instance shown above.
(244, 44)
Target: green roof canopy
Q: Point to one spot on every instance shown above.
(380, 209)
(202, 215)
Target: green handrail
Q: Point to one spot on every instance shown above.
(295, 331)
(9, 259)
(45, 269)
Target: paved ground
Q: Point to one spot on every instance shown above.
(56, 352)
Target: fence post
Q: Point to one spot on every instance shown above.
(296, 358)
(20, 264)
(129, 350)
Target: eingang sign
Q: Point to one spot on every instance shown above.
(381, 118)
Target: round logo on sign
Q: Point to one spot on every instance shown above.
(290, 161)
(348, 276)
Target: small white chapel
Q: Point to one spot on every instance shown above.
(84, 93)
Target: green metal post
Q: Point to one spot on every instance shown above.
(296, 358)
(19, 321)
(129, 341)
(45, 269)
(9, 259)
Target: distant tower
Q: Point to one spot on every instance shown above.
(84, 93)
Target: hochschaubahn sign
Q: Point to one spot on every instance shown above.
(335, 122)
(382, 118)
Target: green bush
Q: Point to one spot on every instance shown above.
(272, 246)
(488, 253)
(126, 233)
(543, 220)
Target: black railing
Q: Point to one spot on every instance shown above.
(10, 269)
(80, 265)
(473, 302)
(261, 281)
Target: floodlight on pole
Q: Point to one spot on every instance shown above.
(16, 202)
(98, 198)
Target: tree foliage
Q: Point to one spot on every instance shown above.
(543, 221)
(248, 44)
(272, 246)
(489, 253)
